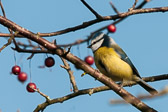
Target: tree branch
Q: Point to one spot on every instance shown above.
(81, 64)
(90, 91)
(71, 76)
(104, 18)
(121, 19)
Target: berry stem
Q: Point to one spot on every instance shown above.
(78, 50)
(14, 57)
(47, 55)
(30, 70)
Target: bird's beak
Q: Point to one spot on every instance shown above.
(89, 46)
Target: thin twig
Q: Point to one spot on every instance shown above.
(12, 37)
(31, 56)
(114, 8)
(70, 72)
(18, 49)
(27, 45)
(91, 9)
(42, 94)
(8, 43)
(133, 6)
(3, 11)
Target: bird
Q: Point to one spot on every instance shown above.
(113, 62)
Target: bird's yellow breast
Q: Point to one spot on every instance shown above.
(110, 64)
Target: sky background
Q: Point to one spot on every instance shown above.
(143, 37)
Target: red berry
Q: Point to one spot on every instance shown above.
(111, 28)
(89, 60)
(49, 62)
(16, 70)
(22, 77)
(30, 87)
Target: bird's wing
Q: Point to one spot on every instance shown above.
(125, 58)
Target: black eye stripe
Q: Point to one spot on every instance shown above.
(96, 41)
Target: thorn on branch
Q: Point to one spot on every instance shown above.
(55, 42)
(68, 51)
(31, 56)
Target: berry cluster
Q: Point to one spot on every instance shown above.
(22, 77)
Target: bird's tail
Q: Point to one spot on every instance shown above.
(147, 87)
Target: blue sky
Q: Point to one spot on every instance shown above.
(143, 37)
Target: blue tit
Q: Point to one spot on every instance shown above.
(113, 62)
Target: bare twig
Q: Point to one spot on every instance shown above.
(3, 11)
(31, 56)
(42, 94)
(8, 43)
(9, 35)
(70, 72)
(61, 99)
(27, 45)
(133, 7)
(74, 43)
(91, 9)
(18, 49)
(114, 8)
